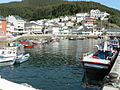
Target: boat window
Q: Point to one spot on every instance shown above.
(9, 52)
(3, 52)
(101, 55)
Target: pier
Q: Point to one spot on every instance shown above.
(8, 85)
(115, 85)
(35, 36)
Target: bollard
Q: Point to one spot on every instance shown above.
(114, 79)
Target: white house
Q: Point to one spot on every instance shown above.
(70, 24)
(33, 28)
(81, 16)
(73, 18)
(17, 21)
(66, 18)
(55, 30)
(64, 30)
(93, 31)
(10, 27)
(98, 14)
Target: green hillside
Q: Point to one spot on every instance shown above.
(39, 9)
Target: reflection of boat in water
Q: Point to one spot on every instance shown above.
(7, 55)
(97, 65)
(22, 58)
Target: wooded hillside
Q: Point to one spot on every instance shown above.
(39, 9)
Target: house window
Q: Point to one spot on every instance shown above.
(0, 26)
(1, 32)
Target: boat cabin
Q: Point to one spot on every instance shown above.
(8, 51)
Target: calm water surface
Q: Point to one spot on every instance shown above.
(55, 66)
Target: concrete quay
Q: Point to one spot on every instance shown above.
(115, 85)
(8, 85)
(34, 36)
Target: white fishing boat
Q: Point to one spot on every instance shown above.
(22, 58)
(7, 55)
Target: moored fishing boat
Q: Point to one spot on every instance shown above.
(80, 38)
(7, 55)
(98, 64)
(37, 43)
(102, 58)
(28, 46)
(55, 39)
(72, 38)
(22, 58)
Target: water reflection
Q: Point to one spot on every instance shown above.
(54, 66)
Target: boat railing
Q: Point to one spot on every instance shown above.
(86, 54)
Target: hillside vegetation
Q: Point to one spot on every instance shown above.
(39, 9)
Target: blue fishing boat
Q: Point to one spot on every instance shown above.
(102, 58)
(98, 64)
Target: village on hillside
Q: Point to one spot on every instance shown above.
(81, 23)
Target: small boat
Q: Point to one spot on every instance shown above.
(45, 41)
(72, 38)
(38, 43)
(7, 55)
(24, 42)
(80, 38)
(22, 58)
(55, 39)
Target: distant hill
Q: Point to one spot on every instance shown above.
(39, 9)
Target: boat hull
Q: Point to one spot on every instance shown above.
(8, 61)
(28, 46)
(94, 77)
(96, 66)
(95, 73)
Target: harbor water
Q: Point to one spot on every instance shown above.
(53, 66)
